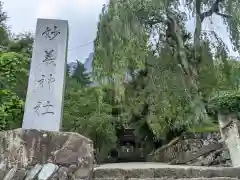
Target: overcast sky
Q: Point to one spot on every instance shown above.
(82, 16)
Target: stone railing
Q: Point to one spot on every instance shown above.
(41, 155)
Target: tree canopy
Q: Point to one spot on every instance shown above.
(173, 71)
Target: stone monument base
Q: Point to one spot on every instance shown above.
(30, 154)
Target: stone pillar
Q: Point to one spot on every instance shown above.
(43, 155)
(229, 128)
(46, 85)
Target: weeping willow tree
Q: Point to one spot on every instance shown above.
(150, 36)
(120, 47)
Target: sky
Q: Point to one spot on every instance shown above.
(82, 16)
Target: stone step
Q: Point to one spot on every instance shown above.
(159, 171)
(167, 178)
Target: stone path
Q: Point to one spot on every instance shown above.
(146, 165)
(161, 171)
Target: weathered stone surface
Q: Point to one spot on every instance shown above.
(176, 173)
(62, 174)
(10, 174)
(29, 147)
(72, 169)
(2, 164)
(167, 178)
(47, 171)
(20, 174)
(159, 170)
(2, 173)
(219, 158)
(44, 100)
(82, 173)
(230, 128)
(191, 145)
(33, 172)
(188, 156)
(132, 171)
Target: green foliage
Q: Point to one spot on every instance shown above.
(11, 110)
(22, 43)
(11, 65)
(120, 45)
(80, 76)
(204, 128)
(226, 98)
(86, 113)
(4, 32)
(12, 68)
(14, 60)
(181, 71)
(225, 102)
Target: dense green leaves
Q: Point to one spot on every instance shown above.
(182, 70)
(87, 113)
(11, 110)
(12, 70)
(120, 45)
(14, 60)
(13, 76)
(80, 76)
(225, 102)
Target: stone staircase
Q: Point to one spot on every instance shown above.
(168, 178)
(159, 171)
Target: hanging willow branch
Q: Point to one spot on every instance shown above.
(214, 9)
(188, 69)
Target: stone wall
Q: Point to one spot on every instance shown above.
(193, 142)
(41, 155)
(230, 130)
(197, 141)
(44, 172)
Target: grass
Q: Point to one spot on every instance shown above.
(207, 128)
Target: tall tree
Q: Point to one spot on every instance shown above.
(4, 31)
(87, 113)
(14, 61)
(22, 43)
(80, 75)
(151, 36)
